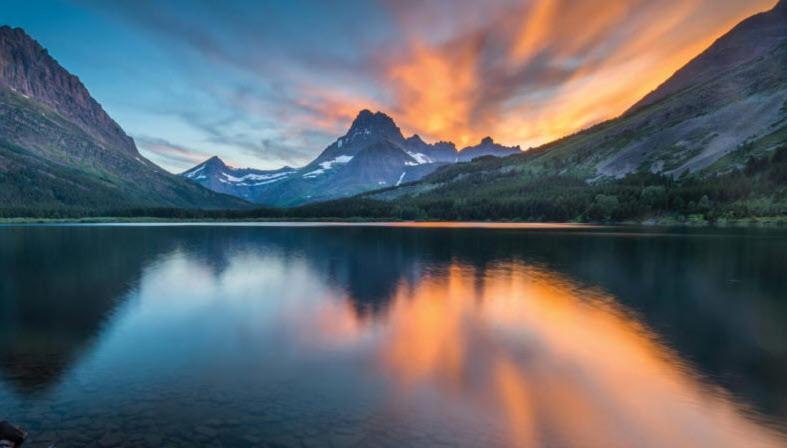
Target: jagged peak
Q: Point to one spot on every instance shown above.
(212, 163)
(445, 144)
(367, 116)
(6, 30)
(363, 114)
(18, 33)
(415, 138)
(488, 143)
(368, 122)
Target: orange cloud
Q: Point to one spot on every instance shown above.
(434, 91)
(528, 72)
(523, 71)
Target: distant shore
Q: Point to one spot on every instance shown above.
(694, 222)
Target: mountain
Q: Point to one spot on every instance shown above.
(59, 148)
(747, 42)
(373, 154)
(487, 147)
(715, 127)
(445, 152)
(215, 175)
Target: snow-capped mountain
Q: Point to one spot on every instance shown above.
(372, 154)
(215, 175)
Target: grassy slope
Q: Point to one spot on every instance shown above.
(47, 162)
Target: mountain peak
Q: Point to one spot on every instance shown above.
(487, 147)
(17, 33)
(374, 123)
(27, 69)
(415, 139)
(215, 161)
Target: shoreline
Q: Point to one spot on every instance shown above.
(757, 222)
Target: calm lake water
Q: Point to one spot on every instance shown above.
(396, 336)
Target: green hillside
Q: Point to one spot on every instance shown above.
(47, 162)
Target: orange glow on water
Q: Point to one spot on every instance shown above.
(553, 363)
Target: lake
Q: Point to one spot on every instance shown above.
(393, 335)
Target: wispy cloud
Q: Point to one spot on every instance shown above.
(170, 156)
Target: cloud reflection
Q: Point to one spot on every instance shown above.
(560, 365)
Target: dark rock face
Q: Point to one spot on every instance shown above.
(28, 69)
(375, 124)
(10, 435)
(368, 127)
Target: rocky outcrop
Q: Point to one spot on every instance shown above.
(11, 436)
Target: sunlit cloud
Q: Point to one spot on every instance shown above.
(523, 71)
(531, 72)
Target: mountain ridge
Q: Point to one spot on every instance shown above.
(372, 154)
(726, 52)
(27, 68)
(59, 149)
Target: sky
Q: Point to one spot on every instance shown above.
(267, 84)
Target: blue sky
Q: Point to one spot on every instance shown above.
(267, 84)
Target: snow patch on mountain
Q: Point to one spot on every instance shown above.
(327, 165)
(341, 159)
(253, 176)
(193, 173)
(419, 158)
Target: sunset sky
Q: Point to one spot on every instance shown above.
(265, 84)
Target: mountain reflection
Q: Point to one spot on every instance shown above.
(507, 337)
(57, 286)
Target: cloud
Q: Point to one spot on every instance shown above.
(530, 72)
(171, 156)
(284, 79)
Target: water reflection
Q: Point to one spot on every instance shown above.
(374, 336)
(561, 366)
(56, 288)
